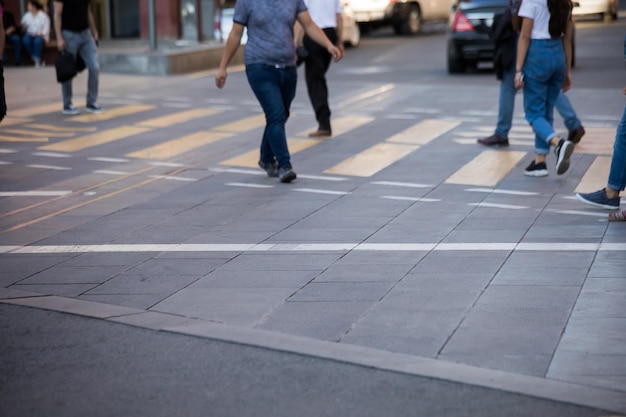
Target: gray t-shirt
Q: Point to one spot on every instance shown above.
(270, 29)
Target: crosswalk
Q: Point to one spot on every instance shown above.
(91, 131)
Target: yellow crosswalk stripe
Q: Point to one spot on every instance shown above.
(53, 128)
(112, 113)
(372, 160)
(176, 118)
(242, 125)
(343, 124)
(99, 138)
(596, 176)
(38, 134)
(487, 169)
(250, 159)
(8, 121)
(35, 111)
(19, 139)
(380, 156)
(178, 146)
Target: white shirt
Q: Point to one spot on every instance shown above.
(537, 10)
(37, 25)
(324, 12)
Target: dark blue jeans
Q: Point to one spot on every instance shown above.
(33, 46)
(275, 88)
(15, 40)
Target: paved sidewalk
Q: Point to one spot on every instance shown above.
(421, 284)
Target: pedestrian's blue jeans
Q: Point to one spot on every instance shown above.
(33, 46)
(275, 88)
(544, 72)
(617, 174)
(83, 44)
(507, 105)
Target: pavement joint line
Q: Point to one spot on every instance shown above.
(316, 247)
(554, 390)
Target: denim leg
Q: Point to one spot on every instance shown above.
(565, 109)
(89, 52)
(617, 174)
(38, 43)
(15, 40)
(72, 43)
(266, 84)
(27, 42)
(506, 106)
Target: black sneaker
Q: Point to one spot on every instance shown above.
(494, 140)
(536, 170)
(599, 199)
(563, 151)
(270, 168)
(286, 174)
(94, 108)
(576, 135)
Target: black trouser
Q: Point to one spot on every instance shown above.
(315, 67)
(3, 103)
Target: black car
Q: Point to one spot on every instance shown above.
(468, 34)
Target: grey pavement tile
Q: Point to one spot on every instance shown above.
(516, 317)
(565, 233)
(162, 234)
(127, 283)
(324, 320)
(423, 345)
(16, 267)
(342, 291)
(609, 264)
(399, 233)
(516, 363)
(224, 235)
(74, 275)
(223, 255)
(371, 272)
(550, 259)
(62, 290)
(462, 262)
(606, 284)
(236, 306)
(443, 301)
(255, 279)
(478, 221)
(277, 261)
(360, 257)
(323, 221)
(533, 275)
(603, 370)
(367, 207)
(615, 233)
(597, 335)
(522, 298)
(601, 304)
(166, 267)
(108, 259)
(253, 225)
(327, 235)
(140, 301)
(434, 281)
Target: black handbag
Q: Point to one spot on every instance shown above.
(65, 65)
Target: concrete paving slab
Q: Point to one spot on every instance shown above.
(62, 290)
(74, 275)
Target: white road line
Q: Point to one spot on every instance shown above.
(494, 191)
(424, 200)
(167, 164)
(53, 167)
(6, 163)
(52, 154)
(502, 206)
(178, 105)
(321, 178)
(402, 184)
(316, 191)
(400, 116)
(237, 171)
(583, 213)
(7, 151)
(104, 159)
(319, 247)
(241, 184)
(33, 193)
(422, 110)
(172, 178)
(107, 172)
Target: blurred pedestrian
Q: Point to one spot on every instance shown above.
(77, 34)
(3, 104)
(543, 69)
(36, 25)
(609, 197)
(270, 57)
(12, 34)
(505, 37)
(327, 15)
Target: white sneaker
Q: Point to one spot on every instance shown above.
(70, 110)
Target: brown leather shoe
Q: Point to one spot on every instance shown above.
(320, 133)
(494, 140)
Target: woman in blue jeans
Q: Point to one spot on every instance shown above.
(608, 197)
(543, 69)
(270, 57)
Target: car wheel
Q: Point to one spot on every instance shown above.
(413, 22)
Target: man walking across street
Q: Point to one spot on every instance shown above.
(327, 15)
(77, 34)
